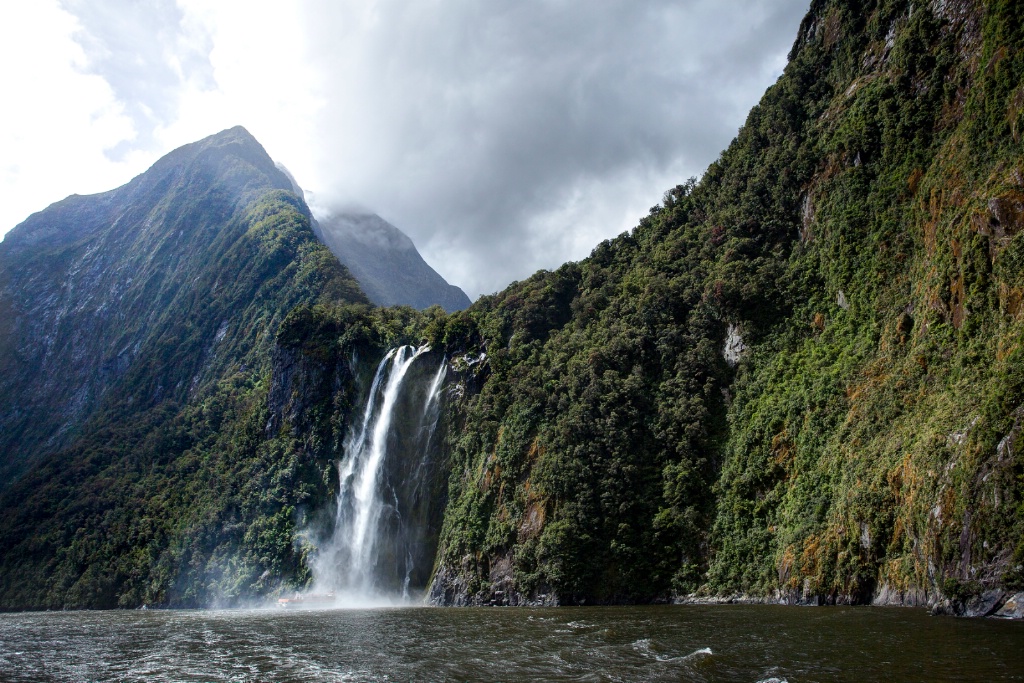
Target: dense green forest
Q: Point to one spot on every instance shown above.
(799, 378)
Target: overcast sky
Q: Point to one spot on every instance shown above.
(502, 137)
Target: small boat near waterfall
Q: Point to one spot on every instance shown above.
(311, 600)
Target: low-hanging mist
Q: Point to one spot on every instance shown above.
(501, 138)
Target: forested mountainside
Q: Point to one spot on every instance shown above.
(120, 301)
(386, 263)
(801, 377)
(136, 339)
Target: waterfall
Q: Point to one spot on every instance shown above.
(384, 488)
(428, 422)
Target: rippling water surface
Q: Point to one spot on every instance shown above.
(669, 643)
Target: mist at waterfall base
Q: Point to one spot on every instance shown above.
(380, 548)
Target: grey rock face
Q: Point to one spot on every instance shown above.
(984, 604)
(386, 263)
(451, 587)
(734, 346)
(1013, 608)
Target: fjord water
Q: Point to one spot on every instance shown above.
(655, 643)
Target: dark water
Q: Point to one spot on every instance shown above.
(721, 643)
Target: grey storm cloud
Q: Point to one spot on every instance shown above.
(502, 137)
(496, 134)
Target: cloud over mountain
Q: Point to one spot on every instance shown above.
(502, 139)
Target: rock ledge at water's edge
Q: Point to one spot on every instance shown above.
(994, 603)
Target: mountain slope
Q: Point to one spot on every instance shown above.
(149, 285)
(800, 378)
(138, 332)
(385, 262)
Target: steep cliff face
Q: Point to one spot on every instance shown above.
(874, 441)
(800, 378)
(343, 385)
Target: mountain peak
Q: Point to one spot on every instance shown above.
(238, 131)
(87, 283)
(232, 159)
(385, 262)
(236, 142)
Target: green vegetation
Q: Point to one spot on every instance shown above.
(862, 236)
(202, 503)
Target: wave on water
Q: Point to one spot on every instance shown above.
(643, 646)
(580, 625)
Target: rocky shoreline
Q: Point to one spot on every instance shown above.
(994, 603)
(451, 588)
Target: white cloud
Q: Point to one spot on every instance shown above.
(58, 121)
(509, 137)
(260, 79)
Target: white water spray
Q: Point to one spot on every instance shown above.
(348, 562)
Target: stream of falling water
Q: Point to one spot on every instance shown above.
(428, 422)
(348, 564)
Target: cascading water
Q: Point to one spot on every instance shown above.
(420, 493)
(383, 505)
